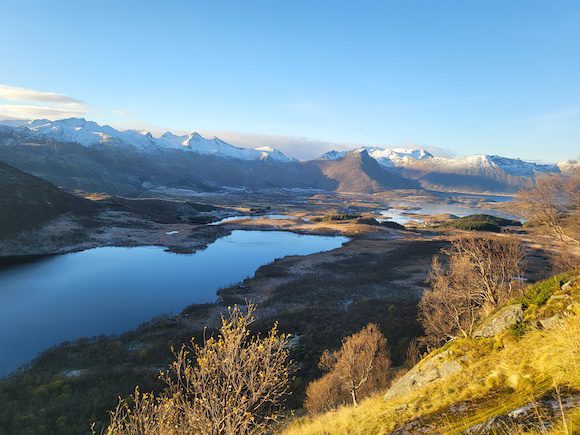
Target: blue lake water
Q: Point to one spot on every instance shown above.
(458, 209)
(111, 290)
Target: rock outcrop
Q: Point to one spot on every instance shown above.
(429, 370)
(500, 321)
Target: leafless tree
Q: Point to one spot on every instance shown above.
(479, 275)
(230, 384)
(450, 308)
(413, 355)
(497, 263)
(362, 364)
(554, 202)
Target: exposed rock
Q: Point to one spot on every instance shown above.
(551, 322)
(500, 321)
(536, 417)
(429, 370)
(568, 285)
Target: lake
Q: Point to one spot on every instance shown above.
(253, 217)
(459, 209)
(111, 290)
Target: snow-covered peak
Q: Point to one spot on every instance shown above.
(89, 133)
(269, 153)
(481, 163)
(569, 165)
(424, 160)
(333, 155)
(387, 157)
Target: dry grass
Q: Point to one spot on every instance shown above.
(500, 374)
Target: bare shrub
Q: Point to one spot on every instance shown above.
(413, 355)
(325, 394)
(480, 275)
(359, 368)
(554, 202)
(231, 384)
(497, 263)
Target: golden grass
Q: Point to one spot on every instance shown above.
(500, 374)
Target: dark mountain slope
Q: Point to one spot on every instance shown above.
(27, 201)
(358, 172)
(123, 170)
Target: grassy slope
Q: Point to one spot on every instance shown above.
(499, 374)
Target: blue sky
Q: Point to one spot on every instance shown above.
(496, 77)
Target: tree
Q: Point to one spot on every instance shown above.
(554, 202)
(359, 368)
(450, 308)
(231, 384)
(479, 275)
(497, 264)
(413, 354)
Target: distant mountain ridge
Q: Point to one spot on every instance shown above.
(387, 157)
(479, 173)
(81, 154)
(89, 133)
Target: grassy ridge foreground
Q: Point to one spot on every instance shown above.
(499, 374)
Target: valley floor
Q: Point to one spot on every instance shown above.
(376, 277)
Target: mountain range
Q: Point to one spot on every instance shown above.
(79, 154)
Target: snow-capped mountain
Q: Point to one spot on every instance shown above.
(569, 165)
(89, 133)
(481, 163)
(487, 173)
(95, 157)
(387, 157)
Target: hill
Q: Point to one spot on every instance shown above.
(519, 374)
(358, 172)
(28, 202)
(480, 222)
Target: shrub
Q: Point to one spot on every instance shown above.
(336, 217)
(539, 293)
(359, 368)
(237, 384)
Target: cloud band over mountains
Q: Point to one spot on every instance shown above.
(25, 103)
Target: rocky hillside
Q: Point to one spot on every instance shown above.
(27, 201)
(521, 372)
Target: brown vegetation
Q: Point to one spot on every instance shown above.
(235, 385)
(553, 202)
(480, 275)
(360, 368)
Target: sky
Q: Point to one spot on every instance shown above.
(463, 77)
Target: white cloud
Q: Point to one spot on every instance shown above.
(295, 146)
(23, 94)
(21, 111)
(304, 148)
(50, 105)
